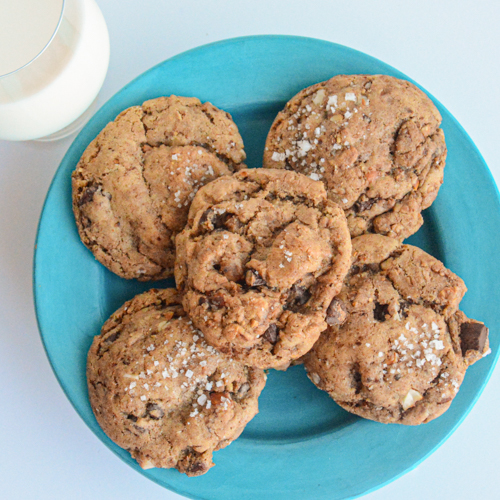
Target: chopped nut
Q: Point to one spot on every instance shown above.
(411, 398)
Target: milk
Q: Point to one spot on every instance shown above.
(25, 29)
(55, 88)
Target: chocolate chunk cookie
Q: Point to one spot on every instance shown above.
(134, 183)
(161, 392)
(374, 141)
(397, 348)
(262, 257)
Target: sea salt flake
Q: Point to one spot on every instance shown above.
(437, 344)
(303, 147)
(332, 101)
(278, 156)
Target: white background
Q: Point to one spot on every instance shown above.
(451, 47)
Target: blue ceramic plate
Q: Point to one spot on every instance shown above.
(301, 444)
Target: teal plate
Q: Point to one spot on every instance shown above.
(301, 445)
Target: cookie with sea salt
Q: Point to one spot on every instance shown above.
(134, 183)
(375, 142)
(161, 392)
(397, 347)
(261, 258)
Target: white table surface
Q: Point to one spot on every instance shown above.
(451, 47)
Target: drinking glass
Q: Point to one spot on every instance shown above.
(54, 55)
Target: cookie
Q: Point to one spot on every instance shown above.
(375, 142)
(134, 183)
(397, 348)
(263, 255)
(161, 392)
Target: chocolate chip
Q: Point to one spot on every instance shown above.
(373, 268)
(271, 334)
(473, 337)
(356, 383)
(297, 297)
(253, 278)
(111, 338)
(205, 217)
(197, 468)
(362, 205)
(403, 308)
(217, 302)
(88, 194)
(154, 411)
(132, 417)
(336, 313)
(380, 311)
(210, 220)
(140, 429)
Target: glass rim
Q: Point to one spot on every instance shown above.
(45, 47)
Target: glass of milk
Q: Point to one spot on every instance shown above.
(54, 55)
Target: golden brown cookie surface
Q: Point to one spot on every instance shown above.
(161, 392)
(134, 183)
(261, 258)
(398, 348)
(374, 141)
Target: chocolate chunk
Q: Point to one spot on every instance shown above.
(473, 337)
(380, 311)
(336, 313)
(271, 334)
(253, 278)
(88, 194)
(154, 411)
